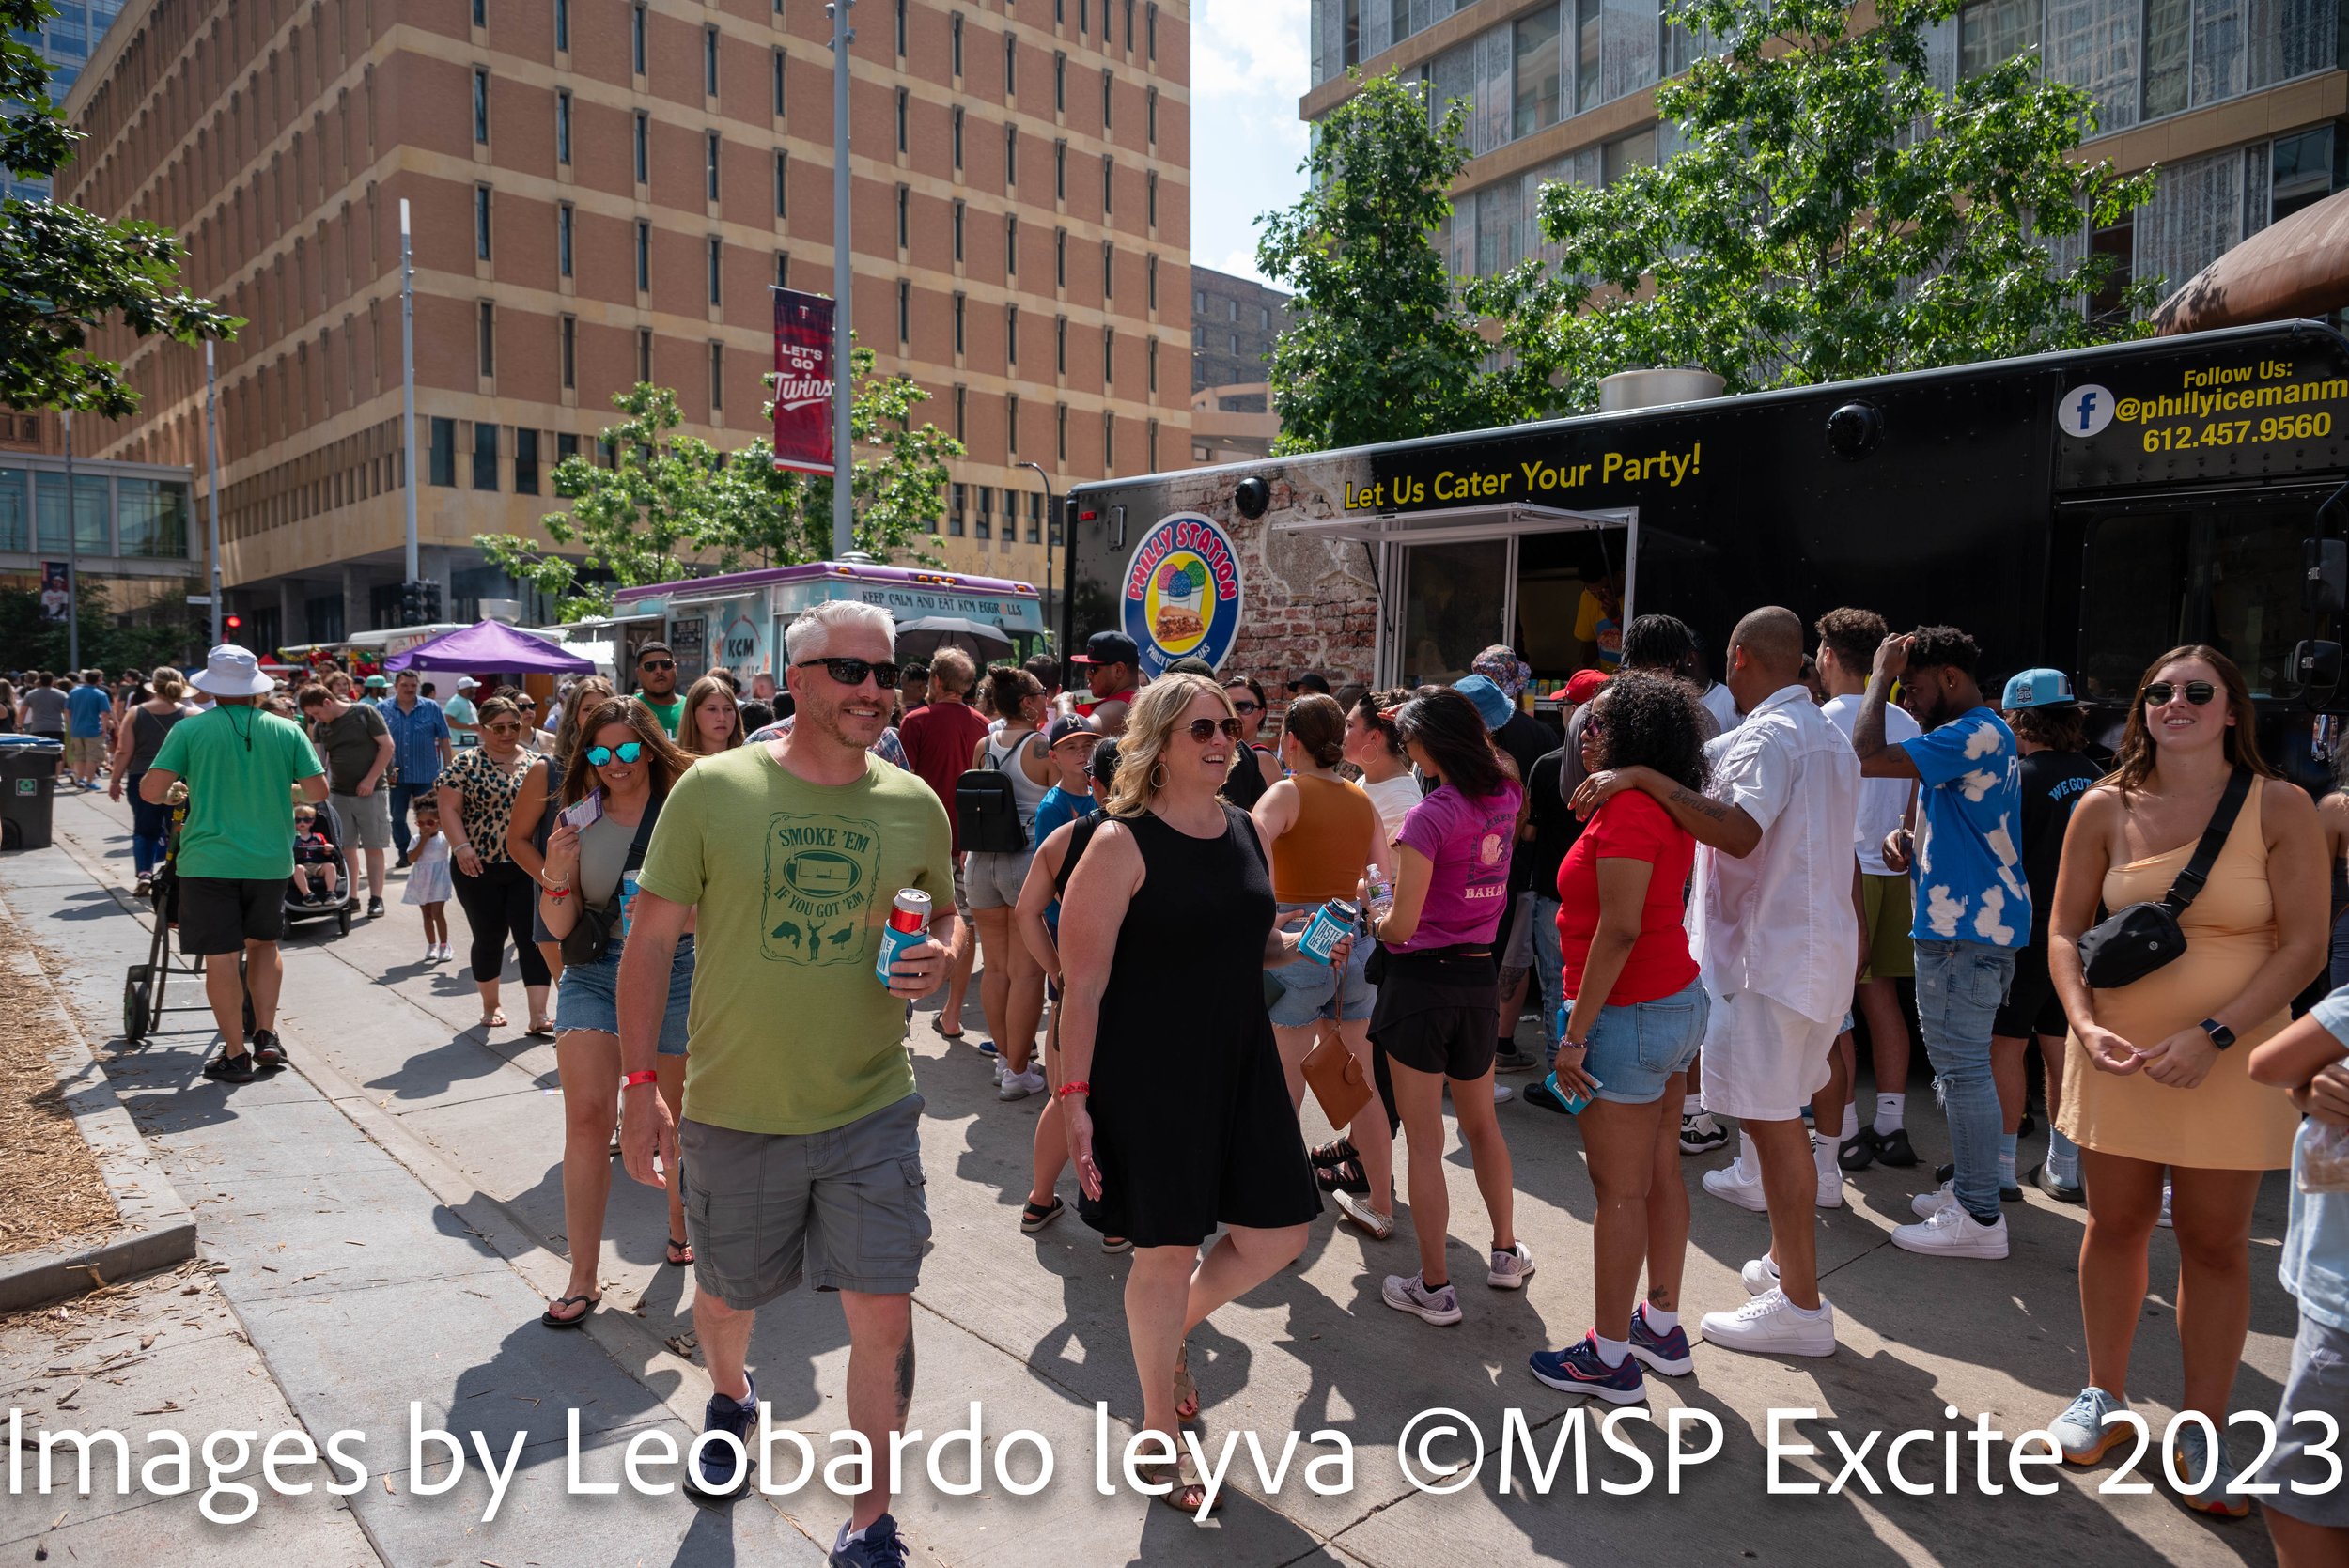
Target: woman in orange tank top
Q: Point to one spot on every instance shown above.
(1320, 833)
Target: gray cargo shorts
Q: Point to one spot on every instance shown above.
(843, 1209)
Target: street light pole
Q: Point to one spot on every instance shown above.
(72, 553)
(1052, 518)
(408, 385)
(842, 273)
(211, 447)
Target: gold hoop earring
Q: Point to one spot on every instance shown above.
(1158, 775)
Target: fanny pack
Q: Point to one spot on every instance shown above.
(2131, 943)
(1467, 963)
(590, 937)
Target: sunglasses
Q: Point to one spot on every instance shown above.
(853, 672)
(628, 751)
(1203, 730)
(510, 726)
(656, 664)
(2199, 693)
(1244, 709)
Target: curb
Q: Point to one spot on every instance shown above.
(158, 1229)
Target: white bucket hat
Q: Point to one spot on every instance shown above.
(230, 670)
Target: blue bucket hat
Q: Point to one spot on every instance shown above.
(1492, 704)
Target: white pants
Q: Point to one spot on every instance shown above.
(1763, 1060)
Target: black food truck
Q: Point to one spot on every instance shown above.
(2082, 510)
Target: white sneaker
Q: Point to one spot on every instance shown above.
(1502, 1094)
(2163, 1220)
(1770, 1325)
(2083, 1434)
(1955, 1233)
(1927, 1204)
(1438, 1307)
(1510, 1269)
(995, 1070)
(1018, 1086)
(1738, 1183)
(1759, 1275)
(1831, 1180)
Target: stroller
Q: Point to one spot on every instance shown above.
(336, 906)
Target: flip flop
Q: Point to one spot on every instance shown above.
(542, 1028)
(495, 1019)
(674, 1247)
(551, 1321)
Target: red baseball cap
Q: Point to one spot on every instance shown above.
(1584, 684)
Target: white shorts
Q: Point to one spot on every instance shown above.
(1763, 1060)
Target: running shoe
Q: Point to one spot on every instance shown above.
(2081, 1434)
(1735, 1183)
(268, 1049)
(2191, 1459)
(1701, 1134)
(1770, 1325)
(230, 1070)
(878, 1546)
(1667, 1352)
(1510, 1269)
(2054, 1187)
(1440, 1307)
(375, 909)
(986, 1048)
(1953, 1233)
(724, 1471)
(1580, 1369)
(1018, 1086)
(1502, 1094)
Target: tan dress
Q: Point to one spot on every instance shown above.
(2225, 1123)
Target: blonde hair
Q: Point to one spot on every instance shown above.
(1149, 726)
(166, 683)
(688, 723)
(951, 670)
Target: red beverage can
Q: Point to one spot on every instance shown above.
(911, 911)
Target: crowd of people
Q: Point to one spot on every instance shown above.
(1712, 891)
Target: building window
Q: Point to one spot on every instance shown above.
(1084, 17)
(1109, 182)
(905, 217)
(1150, 272)
(1152, 358)
(783, 269)
(565, 446)
(959, 304)
(954, 504)
(903, 99)
(1060, 259)
(985, 528)
(1011, 423)
(1109, 270)
(1540, 99)
(1011, 71)
(566, 218)
(480, 14)
(1011, 246)
(1106, 80)
(644, 256)
(485, 457)
(901, 29)
(717, 269)
(441, 455)
(1035, 516)
(1150, 199)
(709, 62)
(1011, 157)
(487, 335)
(1060, 82)
(1059, 345)
(480, 106)
(904, 311)
(959, 213)
(481, 222)
(779, 99)
(1150, 116)
(644, 355)
(562, 26)
(782, 184)
(1011, 335)
(1129, 23)
(962, 411)
(525, 461)
(643, 146)
(1150, 30)
(1109, 357)
(1109, 441)
(1060, 413)
(1060, 171)
(717, 378)
(569, 345)
(955, 35)
(562, 127)
(636, 39)
(1150, 458)
(711, 175)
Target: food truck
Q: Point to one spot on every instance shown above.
(736, 619)
(2084, 510)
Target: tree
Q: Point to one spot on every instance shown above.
(1832, 214)
(1379, 350)
(29, 640)
(64, 272)
(670, 500)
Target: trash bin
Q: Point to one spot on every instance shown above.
(28, 783)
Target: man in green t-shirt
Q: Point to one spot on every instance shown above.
(656, 685)
(242, 767)
(801, 1127)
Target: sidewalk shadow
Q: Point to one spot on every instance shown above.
(467, 1056)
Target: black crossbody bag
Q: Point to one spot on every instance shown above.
(2129, 944)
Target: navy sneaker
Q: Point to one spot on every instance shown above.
(879, 1547)
(1578, 1370)
(720, 1476)
(1664, 1353)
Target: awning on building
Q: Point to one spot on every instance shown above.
(2295, 267)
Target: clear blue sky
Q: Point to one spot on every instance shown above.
(1248, 70)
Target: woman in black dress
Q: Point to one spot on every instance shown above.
(1178, 1117)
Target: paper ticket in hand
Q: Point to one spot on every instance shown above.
(586, 813)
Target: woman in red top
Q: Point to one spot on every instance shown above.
(1634, 1025)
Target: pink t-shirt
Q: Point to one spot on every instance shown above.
(1468, 840)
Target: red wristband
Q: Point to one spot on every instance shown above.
(632, 1079)
(1079, 1087)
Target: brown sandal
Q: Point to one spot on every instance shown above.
(1185, 1387)
(1184, 1492)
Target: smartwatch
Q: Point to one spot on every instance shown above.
(2220, 1035)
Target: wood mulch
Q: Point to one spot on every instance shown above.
(56, 1193)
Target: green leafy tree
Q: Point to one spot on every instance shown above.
(29, 640)
(671, 502)
(1832, 213)
(65, 273)
(1379, 350)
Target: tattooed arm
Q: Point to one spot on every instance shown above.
(1725, 827)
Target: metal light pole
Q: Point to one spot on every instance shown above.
(842, 270)
(72, 554)
(408, 385)
(211, 447)
(1051, 515)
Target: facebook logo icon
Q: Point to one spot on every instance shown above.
(2084, 411)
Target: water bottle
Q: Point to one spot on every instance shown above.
(1378, 892)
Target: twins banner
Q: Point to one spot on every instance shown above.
(803, 380)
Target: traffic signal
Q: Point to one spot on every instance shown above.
(419, 603)
(232, 622)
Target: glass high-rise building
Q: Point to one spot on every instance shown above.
(65, 41)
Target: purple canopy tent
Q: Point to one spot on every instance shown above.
(491, 646)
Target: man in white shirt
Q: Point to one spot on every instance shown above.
(1848, 639)
(1773, 929)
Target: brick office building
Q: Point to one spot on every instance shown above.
(603, 192)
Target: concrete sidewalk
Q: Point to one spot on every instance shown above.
(391, 1210)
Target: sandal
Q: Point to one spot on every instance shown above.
(542, 1028)
(1035, 1217)
(1344, 1176)
(1184, 1491)
(586, 1305)
(1116, 1246)
(1336, 1152)
(674, 1247)
(493, 1019)
(939, 1023)
(1186, 1387)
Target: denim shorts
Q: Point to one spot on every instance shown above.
(1304, 992)
(588, 996)
(1633, 1052)
(2319, 1381)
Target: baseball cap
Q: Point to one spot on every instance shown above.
(1109, 648)
(1192, 665)
(1492, 704)
(1584, 684)
(1068, 724)
(466, 683)
(1309, 681)
(2038, 689)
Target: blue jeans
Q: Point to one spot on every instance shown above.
(1960, 987)
(402, 793)
(1550, 966)
(1634, 1050)
(150, 827)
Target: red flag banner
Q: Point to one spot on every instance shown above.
(803, 380)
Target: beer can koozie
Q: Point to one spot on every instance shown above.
(908, 923)
(1331, 923)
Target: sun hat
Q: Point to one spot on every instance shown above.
(1500, 664)
(230, 670)
(1492, 705)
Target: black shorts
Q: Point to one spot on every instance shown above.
(1439, 1015)
(2031, 1005)
(220, 914)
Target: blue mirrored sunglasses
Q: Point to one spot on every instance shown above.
(628, 752)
